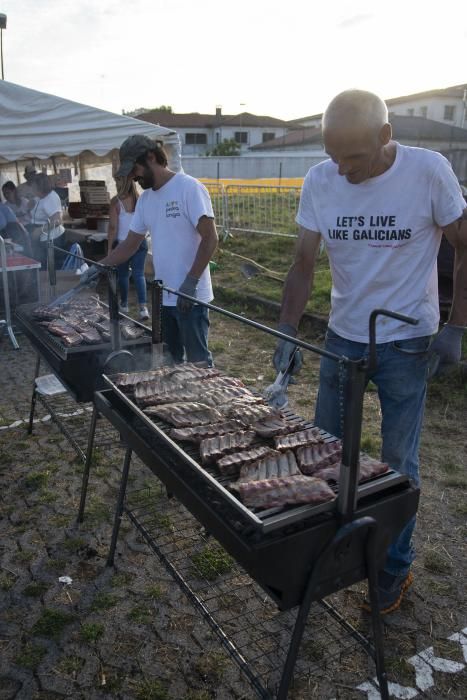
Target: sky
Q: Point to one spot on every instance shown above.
(283, 59)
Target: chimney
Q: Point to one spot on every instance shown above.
(218, 111)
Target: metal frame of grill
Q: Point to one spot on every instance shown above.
(327, 548)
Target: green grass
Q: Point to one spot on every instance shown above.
(52, 623)
(436, 562)
(73, 544)
(211, 562)
(71, 665)
(37, 480)
(6, 582)
(35, 589)
(122, 579)
(276, 254)
(151, 690)
(104, 601)
(140, 614)
(30, 656)
(91, 631)
(211, 666)
(155, 592)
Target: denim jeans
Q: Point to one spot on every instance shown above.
(136, 262)
(186, 334)
(400, 376)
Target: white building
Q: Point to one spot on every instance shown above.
(200, 133)
(448, 106)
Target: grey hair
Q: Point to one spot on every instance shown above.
(356, 108)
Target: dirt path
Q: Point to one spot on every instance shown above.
(129, 632)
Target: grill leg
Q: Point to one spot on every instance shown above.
(372, 574)
(119, 510)
(33, 397)
(87, 464)
(329, 558)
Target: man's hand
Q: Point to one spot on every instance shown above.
(90, 275)
(448, 346)
(284, 351)
(188, 287)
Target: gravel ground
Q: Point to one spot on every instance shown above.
(129, 631)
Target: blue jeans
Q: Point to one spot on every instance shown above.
(186, 334)
(401, 377)
(136, 262)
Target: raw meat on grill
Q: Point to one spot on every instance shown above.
(310, 436)
(185, 414)
(71, 339)
(313, 458)
(131, 332)
(91, 336)
(279, 464)
(369, 468)
(289, 490)
(274, 424)
(103, 326)
(199, 432)
(131, 379)
(230, 464)
(44, 313)
(246, 412)
(215, 447)
(60, 328)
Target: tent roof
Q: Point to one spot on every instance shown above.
(37, 125)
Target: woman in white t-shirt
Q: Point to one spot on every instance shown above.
(46, 211)
(121, 212)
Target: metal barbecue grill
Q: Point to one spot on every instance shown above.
(297, 554)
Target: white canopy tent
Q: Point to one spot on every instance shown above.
(36, 125)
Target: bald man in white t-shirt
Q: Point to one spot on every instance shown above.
(381, 209)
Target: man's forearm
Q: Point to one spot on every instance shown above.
(204, 254)
(296, 294)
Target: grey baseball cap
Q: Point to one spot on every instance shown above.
(132, 148)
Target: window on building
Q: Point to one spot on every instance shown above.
(423, 111)
(410, 112)
(268, 136)
(449, 111)
(191, 139)
(241, 136)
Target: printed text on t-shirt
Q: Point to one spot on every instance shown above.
(376, 227)
(172, 210)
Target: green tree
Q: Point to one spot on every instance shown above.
(228, 147)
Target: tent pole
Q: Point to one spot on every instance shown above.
(17, 172)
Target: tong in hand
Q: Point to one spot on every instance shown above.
(276, 393)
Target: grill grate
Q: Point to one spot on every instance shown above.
(242, 616)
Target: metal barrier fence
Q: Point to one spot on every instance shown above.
(262, 209)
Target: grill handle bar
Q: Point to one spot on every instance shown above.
(372, 359)
(156, 299)
(260, 326)
(80, 257)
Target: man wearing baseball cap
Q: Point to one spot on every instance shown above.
(176, 210)
(25, 189)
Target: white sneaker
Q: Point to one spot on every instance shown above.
(143, 313)
(124, 308)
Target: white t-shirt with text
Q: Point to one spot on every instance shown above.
(171, 215)
(382, 237)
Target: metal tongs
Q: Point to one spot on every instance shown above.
(276, 393)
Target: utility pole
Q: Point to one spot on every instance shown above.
(2, 27)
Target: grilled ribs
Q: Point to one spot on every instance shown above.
(215, 447)
(310, 436)
(291, 490)
(278, 464)
(199, 432)
(184, 415)
(230, 464)
(313, 458)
